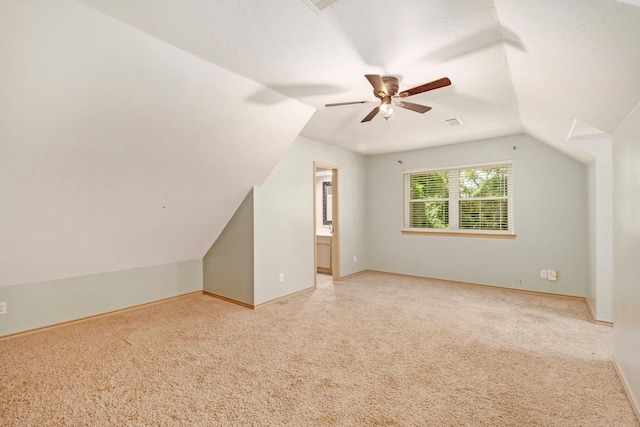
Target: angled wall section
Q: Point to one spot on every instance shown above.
(284, 219)
(119, 150)
(272, 231)
(228, 267)
(122, 158)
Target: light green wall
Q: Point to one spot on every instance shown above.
(272, 231)
(284, 218)
(228, 265)
(550, 217)
(600, 223)
(626, 250)
(38, 304)
(592, 272)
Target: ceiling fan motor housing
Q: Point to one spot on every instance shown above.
(391, 83)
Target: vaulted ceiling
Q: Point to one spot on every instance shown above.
(130, 130)
(516, 65)
(118, 150)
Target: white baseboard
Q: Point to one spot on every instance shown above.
(594, 317)
(635, 404)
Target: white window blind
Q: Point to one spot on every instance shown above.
(476, 198)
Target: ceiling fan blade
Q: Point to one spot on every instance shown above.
(436, 84)
(371, 115)
(413, 107)
(346, 103)
(376, 81)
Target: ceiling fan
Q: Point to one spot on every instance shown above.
(386, 88)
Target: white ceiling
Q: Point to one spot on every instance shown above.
(131, 130)
(516, 65)
(115, 152)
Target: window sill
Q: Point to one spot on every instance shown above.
(485, 234)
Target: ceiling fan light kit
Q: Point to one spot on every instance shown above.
(386, 109)
(386, 88)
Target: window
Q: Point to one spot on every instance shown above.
(465, 199)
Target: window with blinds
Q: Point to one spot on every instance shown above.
(475, 198)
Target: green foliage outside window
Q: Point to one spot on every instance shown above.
(490, 182)
(483, 199)
(427, 213)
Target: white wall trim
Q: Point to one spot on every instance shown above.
(635, 403)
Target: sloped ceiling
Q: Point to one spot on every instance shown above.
(130, 130)
(516, 65)
(582, 62)
(118, 150)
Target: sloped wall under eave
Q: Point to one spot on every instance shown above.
(46, 303)
(272, 231)
(118, 150)
(228, 266)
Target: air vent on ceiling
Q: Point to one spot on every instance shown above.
(319, 5)
(453, 122)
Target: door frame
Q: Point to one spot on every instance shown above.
(335, 221)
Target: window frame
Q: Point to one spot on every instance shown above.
(454, 202)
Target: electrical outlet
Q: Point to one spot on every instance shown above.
(3, 307)
(355, 258)
(282, 277)
(543, 274)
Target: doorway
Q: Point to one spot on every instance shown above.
(326, 230)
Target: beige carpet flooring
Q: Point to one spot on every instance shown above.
(374, 350)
